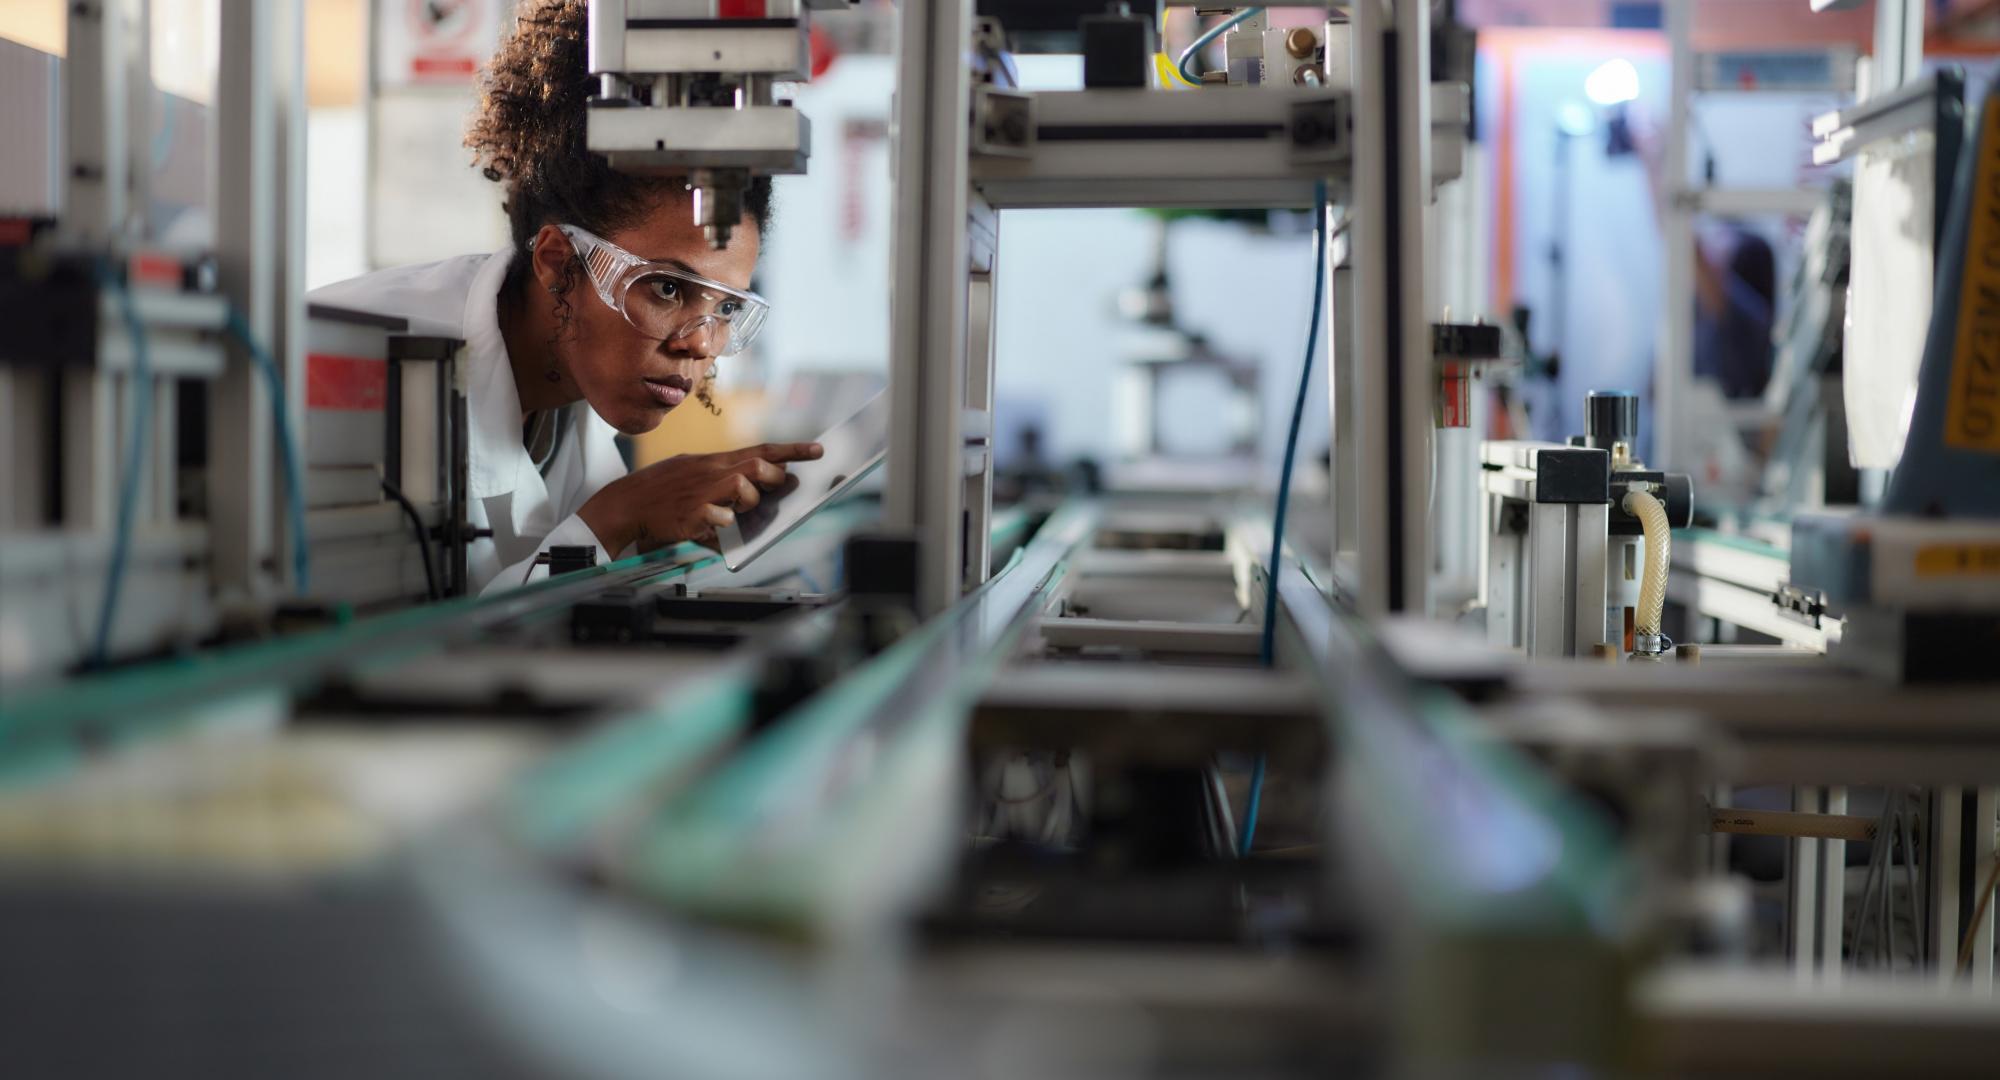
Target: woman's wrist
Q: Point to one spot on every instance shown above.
(601, 513)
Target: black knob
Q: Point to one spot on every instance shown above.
(1610, 416)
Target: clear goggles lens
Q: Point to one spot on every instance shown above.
(669, 304)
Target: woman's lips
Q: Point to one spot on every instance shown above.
(669, 390)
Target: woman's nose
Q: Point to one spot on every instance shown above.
(699, 338)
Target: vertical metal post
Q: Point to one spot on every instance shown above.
(980, 336)
(137, 59)
(22, 448)
(1899, 45)
(1341, 388)
(1369, 239)
(1456, 262)
(161, 486)
(1566, 566)
(1803, 888)
(1833, 893)
(927, 333)
(1676, 341)
(1417, 365)
(287, 342)
(1506, 602)
(1590, 565)
(1984, 809)
(97, 213)
(1392, 368)
(1549, 605)
(97, 72)
(249, 219)
(89, 463)
(1946, 845)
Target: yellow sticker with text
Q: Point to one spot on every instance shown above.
(1947, 560)
(1972, 412)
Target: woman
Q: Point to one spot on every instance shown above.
(605, 314)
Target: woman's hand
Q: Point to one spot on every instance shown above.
(687, 497)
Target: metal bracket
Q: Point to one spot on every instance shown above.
(1801, 605)
(1003, 122)
(1321, 130)
(1928, 104)
(1465, 341)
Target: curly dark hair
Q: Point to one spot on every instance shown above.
(528, 135)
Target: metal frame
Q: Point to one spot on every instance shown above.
(1899, 44)
(977, 417)
(1984, 849)
(1089, 148)
(1675, 363)
(1392, 374)
(1545, 584)
(260, 204)
(1722, 579)
(1099, 148)
(1913, 106)
(927, 334)
(1566, 574)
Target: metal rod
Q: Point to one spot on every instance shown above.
(1875, 854)
(1909, 835)
(1803, 874)
(1832, 889)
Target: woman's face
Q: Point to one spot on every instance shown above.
(632, 380)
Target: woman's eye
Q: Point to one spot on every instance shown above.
(664, 288)
(728, 308)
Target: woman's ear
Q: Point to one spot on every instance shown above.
(549, 255)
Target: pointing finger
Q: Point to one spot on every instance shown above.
(761, 471)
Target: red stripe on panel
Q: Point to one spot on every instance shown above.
(346, 382)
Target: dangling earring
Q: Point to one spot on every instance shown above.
(552, 374)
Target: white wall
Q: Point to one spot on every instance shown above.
(826, 262)
(1615, 259)
(336, 195)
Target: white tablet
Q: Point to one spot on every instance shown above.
(850, 448)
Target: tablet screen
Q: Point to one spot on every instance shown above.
(850, 448)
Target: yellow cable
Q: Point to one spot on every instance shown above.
(1169, 76)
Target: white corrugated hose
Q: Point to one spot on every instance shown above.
(1652, 515)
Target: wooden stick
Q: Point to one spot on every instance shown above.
(1725, 819)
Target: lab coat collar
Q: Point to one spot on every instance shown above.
(493, 413)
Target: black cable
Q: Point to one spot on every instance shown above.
(423, 537)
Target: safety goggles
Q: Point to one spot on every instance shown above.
(665, 302)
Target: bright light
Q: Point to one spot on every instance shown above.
(1574, 118)
(1613, 83)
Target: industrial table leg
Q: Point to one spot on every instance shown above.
(1985, 806)
(1947, 823)
(1803, 881)
(1832, 892)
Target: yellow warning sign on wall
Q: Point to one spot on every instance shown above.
(1972, 412)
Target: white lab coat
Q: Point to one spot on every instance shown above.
(527, 512)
